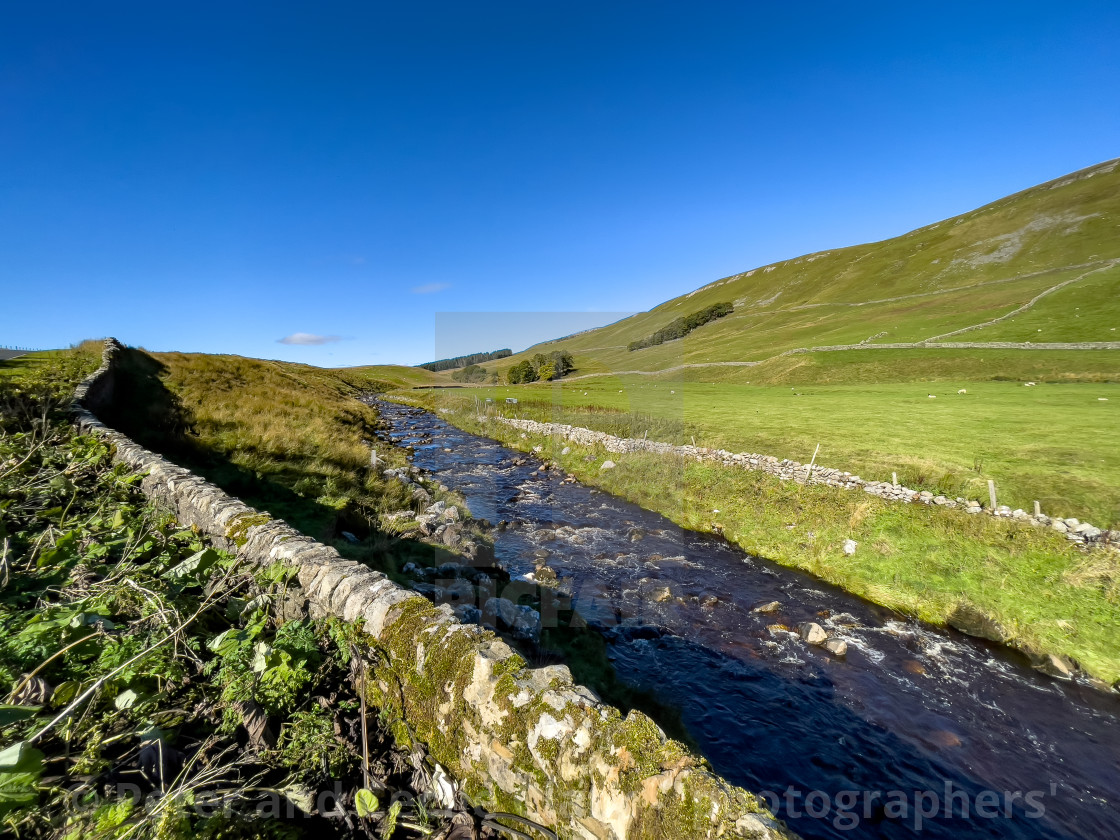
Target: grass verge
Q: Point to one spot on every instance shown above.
(288, 439)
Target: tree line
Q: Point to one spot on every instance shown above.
(680, 327)
(463, 361)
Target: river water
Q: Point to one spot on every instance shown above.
(916, 732)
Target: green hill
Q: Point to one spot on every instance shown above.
(1040, 266)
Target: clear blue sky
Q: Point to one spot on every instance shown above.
(218, 176)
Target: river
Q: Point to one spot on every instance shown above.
(916, 732)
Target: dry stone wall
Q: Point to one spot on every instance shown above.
(787, 470)
(516, 738)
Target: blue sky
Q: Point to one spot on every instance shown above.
(219, 176)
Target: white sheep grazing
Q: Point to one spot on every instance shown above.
(962, 391)
(1028, 384)
(931, 396)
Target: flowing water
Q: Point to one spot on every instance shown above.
(916, 732)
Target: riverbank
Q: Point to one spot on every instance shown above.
(1025, 587)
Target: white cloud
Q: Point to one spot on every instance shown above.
(308, 338)
(430, 288)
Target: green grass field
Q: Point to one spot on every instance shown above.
(1051, 442)
(392, 376)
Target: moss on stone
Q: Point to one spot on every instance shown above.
(237, 531)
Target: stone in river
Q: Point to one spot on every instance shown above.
(813, 633)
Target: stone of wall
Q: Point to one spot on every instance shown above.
(517, 739)
(785, 469)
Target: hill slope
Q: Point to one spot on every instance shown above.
(1040, 266)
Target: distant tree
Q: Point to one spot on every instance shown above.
(471, 373)
(463, 361)
(521, 372)
(680, 327)
(555, 365)
(563, 362)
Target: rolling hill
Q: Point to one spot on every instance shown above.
(1041, 266)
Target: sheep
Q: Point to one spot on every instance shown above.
(1028, 384)
(963, 391)
(931, 396)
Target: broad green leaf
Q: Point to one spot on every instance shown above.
(90, 619)
(21, 765)
(64, 693)
(262, 656)
(228, 641)
(65, 548)
(365, 801)
(14, 714)
(389, 825)
(194, 566)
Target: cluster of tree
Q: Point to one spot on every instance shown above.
(556, 364)
(463, 361)
(473, 373)
(680, 327)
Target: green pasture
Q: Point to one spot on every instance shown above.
(1055, 443)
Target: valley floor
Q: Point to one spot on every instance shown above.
(1027, 587)
(1050, 442)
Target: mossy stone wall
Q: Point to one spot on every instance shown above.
(518, 739)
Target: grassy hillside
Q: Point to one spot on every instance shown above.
(385, 377)
(286, 438)
(1041, 266)
(1058, 240)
